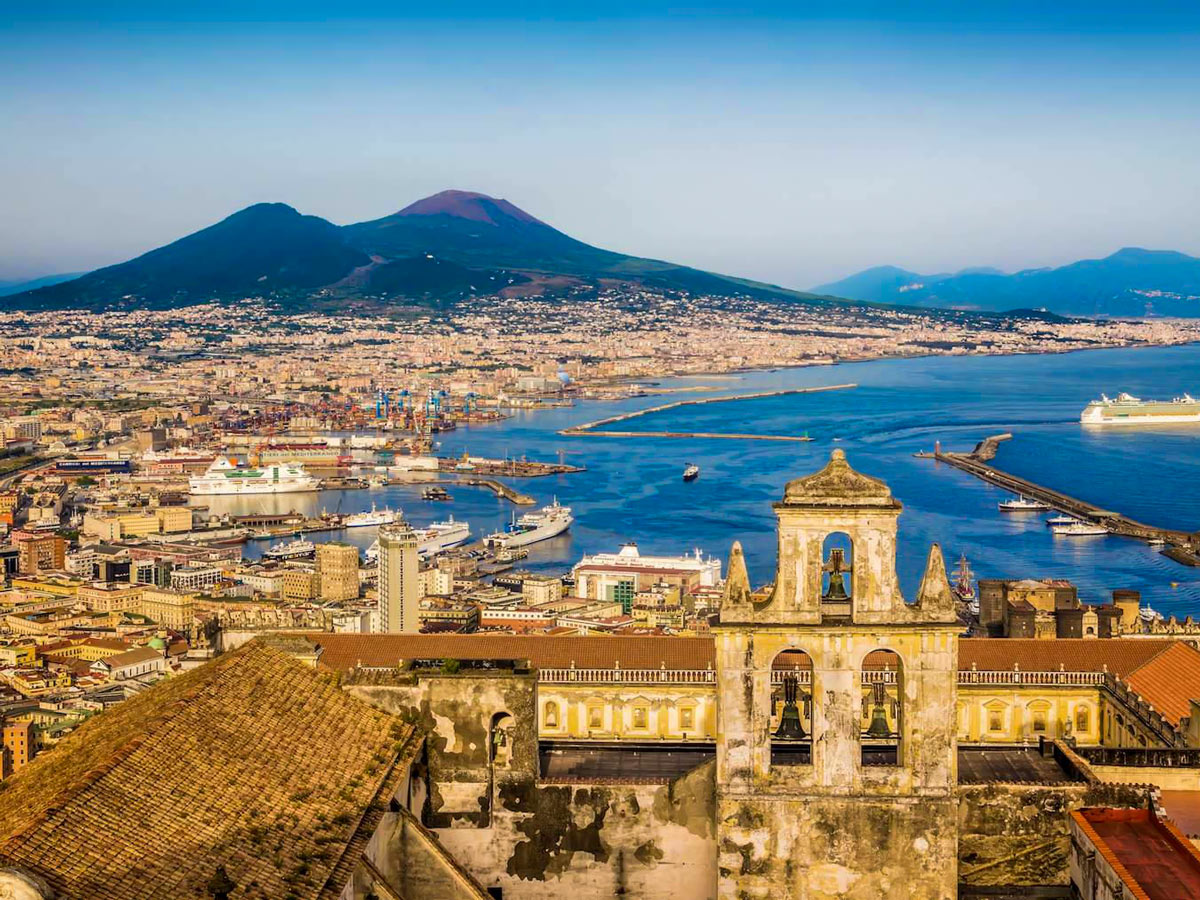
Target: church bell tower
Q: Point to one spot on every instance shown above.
(836, 754)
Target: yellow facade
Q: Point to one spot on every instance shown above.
(173, 609)
(633, 712)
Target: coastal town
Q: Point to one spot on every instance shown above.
(118, 428)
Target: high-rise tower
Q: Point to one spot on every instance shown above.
(836, 754)
(399, 579)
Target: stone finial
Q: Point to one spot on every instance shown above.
(839, 486)
(935, 595)
(737, 579)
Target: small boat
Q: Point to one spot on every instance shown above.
(1060, 520)
(1079, 529)
(691, 472)
(1023, 504)
(1157, 542)
(435, 493)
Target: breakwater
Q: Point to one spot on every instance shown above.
(978, 463)
(599, 427)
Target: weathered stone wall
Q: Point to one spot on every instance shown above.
(1018, 834)
(577, 842)
(482, 733)
(821, 849)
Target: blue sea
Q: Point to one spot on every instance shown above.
(632, 489)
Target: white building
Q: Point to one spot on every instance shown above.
(618, 576)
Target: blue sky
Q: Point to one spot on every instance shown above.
(793, 143)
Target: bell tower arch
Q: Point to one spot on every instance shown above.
(860, 800)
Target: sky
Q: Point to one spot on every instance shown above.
(793, 143)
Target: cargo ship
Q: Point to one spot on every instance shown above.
(1129, 410)
(550, 521)
(225, 477)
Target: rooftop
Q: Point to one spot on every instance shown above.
(253, 761)
(1150, 855)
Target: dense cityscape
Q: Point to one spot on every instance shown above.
(586, 451)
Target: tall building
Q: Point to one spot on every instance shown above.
(399, 579)
(46, 553)
(337, 566)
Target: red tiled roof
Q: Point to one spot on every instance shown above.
(1150, 855)
(1169, 681)
(345, 651)
(1121, 656)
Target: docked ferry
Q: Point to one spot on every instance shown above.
(295, 549)
(435, 539)
(440, 536)
(1129, 410)
(1024, 504)
(225, 477)
(550, 521)
(372, 517)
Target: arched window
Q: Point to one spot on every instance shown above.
(1083, 719)
(550, 714)
(882, 709)
(837, 573)
(791, 713)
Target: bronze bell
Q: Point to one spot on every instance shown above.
(837, 568)
(879, 727)
(790, 727)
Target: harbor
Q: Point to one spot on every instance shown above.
(978, 463)
(598, 428)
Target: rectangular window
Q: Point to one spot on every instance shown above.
(1039, 721)
(595, 717)
(639, 717)
(686, 717)
(995, 721)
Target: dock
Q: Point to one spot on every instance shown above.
(598, 428)
(501, 490)
(978, 463)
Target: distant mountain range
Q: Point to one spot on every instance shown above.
(444, 248)
(1130, 282)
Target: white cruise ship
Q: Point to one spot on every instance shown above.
(226, 477)
(550, 521)
(374, 516)
(1129, 410)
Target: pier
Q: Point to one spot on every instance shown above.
(977, 463)
(598, 427)
(501, 490)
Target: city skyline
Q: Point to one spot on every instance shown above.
(791, 149)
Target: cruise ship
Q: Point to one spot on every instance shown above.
(372, 517)
(1129, 410)
(550, 521)
(225, 477)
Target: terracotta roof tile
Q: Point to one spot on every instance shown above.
(345, 651)
(1120, 655)
(1169, 681)
(253, 761)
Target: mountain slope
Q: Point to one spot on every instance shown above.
(268, 247)
(32, 284)
(441, 249)
(1130, 282)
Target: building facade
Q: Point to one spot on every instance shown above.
(399, 580)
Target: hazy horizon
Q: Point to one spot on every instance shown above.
(793, 149)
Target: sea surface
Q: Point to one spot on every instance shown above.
(633, 491)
